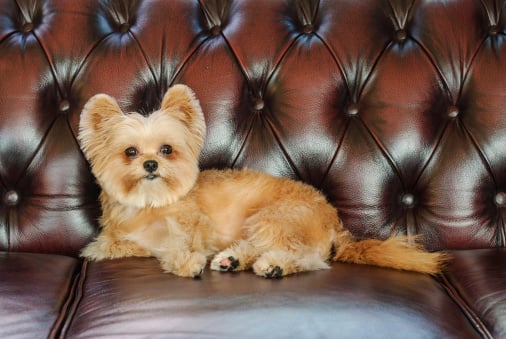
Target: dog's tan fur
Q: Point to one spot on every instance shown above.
(241, 219)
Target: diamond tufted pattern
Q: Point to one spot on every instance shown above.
(395, 110)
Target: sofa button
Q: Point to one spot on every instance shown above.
(124, 27)
(401, 35)
(11, 198)
(258, 104)
(308, 29)
(64, 105)
(453, 112)
(28, 27)
(352, 109)
(493, 30)
(500, 199)
(408, 200)
(216, 30)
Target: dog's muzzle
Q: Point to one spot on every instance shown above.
(150, 166)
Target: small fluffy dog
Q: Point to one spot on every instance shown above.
(156, 202)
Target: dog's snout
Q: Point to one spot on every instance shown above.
(150, 165)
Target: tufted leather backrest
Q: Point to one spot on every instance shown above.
(395, 109)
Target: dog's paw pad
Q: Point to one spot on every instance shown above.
(229, 264)
(273, 272)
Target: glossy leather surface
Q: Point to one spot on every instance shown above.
(347, 301)
(477, 279)
(34, 293)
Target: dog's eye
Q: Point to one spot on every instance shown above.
(166, 149)
(131, 152)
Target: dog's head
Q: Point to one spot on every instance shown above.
(144, 161)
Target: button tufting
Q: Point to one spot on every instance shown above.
(500, 199)
(352, 109)
(408, 200)
(216, 30)
(258, 104)
(493, 30)
(453, 111)
(401, 35)
(308, 29)
(124, 27)
(28, 27)
(64, 105)
(11, 198)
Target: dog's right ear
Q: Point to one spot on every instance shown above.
(97, 117)
(97, 112)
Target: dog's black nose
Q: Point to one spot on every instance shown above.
(150, 165)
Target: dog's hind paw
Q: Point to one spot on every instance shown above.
(271, 272)
(274, 272)
(226, 264)
(229, 264)
(267, 270)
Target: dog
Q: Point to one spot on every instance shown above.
(156, 202)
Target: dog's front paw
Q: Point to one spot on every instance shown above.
(101, 249)
(95, 251)
(192, 267)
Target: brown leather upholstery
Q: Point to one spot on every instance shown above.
(395, 109)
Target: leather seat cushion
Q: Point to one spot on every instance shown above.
(133, 297)
(35, 290)
(478, 279)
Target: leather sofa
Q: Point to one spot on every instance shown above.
(395, 110)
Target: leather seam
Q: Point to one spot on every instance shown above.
(69, 310)
(473, 317)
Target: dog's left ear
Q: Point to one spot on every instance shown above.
(180, 101)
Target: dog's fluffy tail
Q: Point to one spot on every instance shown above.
(396, 252)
